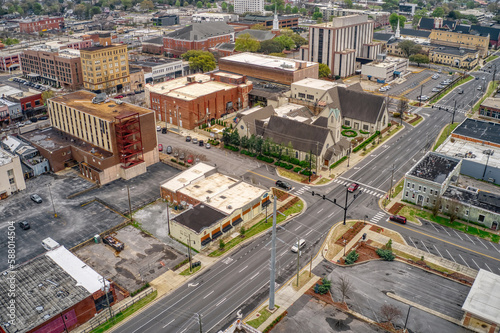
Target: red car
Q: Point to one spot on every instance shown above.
(398, 218)
(119, 96)
(353, 187)
(160, 147)
(190, 159)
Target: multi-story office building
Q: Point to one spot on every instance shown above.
(159, 69)
(248, 6)
(11, 174)
(340, 42)
(165, 20)
(38, 24)
(9, 60)
(105, 67)
(106, 139)
(457, 39)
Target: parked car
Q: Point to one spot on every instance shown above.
(283, 184)
(158, 128)
(43, 118)
(164, 130)
(27, 122)
(119, 96)
(20, 124)
(188, 138)
(194, 141)
(353, 187)
(190, 159)
(297, 246)
(34, 119)
(24, 225)
(208, 146)
(479, 88)
(36, 198)
(160, 147)
(398, 218)
(181, 156)
(176, 153)
(200, 143)
(460, 91)
(169, 150)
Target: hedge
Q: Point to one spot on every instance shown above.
(265, 159)
(351, 257)
(363, 132)
(338, 162)
(366, 142)
(387, 255)
(284, 165)
(246, 152)
(297, 169)
(349, 133)
(346, 127)
(231, 148)
(306, 173)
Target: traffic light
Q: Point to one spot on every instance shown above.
(323, 197)
(312, 193)
(364, 236)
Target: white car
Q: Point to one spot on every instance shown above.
(296, 247)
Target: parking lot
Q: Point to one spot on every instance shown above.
(143, 258)
(78, 218)
(30, 84)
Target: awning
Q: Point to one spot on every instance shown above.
(397, 73)
(206, 241)
(225, 229)
(216, 235)
(238, 221)
(266, 203)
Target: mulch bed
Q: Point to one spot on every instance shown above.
(415, 119)
(281, 195)
(350, 233)
(365, 251)
(396, 208)
(288, 204)
(376, 228)
(313, 178)
(454, 276)
(327, 298)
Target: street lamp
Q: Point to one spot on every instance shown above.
(349, 153)
(407, 316)
(420, 98)
(334, 201)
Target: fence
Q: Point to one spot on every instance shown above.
(117, 308)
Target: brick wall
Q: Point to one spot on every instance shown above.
(178, 47)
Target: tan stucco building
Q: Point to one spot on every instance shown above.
(11, 174)
(456, 39)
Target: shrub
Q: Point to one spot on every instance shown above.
(285, 158)
(366, 142)
(288, 167)
(338, 162)
(295, 161)
(351, 257)
(297, 169)
(349, 133)
(173, 160)
(396, 114)
(363, 132)
(265, 159)
(306, 173)
(346, 127)
(387, 255)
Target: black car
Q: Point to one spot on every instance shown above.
(24, 225)
(188, 138)
(34, 119)
(164, 130)
(200, 143)
(169, 150)
(43, 118)
(282, 184)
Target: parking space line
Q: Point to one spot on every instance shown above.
(319, 211)
(457, 234)
(425, 246)
(298, 227)
(470, 239)
(433, 226)
(170, 322)
(495, 247)
(464, 260)
(482, 243)
(438, 251)
(475, 263)
(450, 255)
(411, 240)
(444, 228)
(488, 267)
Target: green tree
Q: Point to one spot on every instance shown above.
(270, 46)
(203, 63)
(147, 5)
(11, 9)
(259, 26)
(286, 42)
(317, 15)
(407, 47)
(209, 5)
(79, 10)
(280, 54)
(231, 8)
(177, 3)
(324, 70)
(348, 4)
(471, 5)
(224, 6)
(95, 10)
(393, 21)
(199, 4)
(235, 138)
(242, 232)
(127, 4)
(390, 5)
(37, 8)
(46, 95)
(438, 12)
(246, 43)
(419, 59)
(222, 245)
(295, 10)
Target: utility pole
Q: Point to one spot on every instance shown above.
(334, 201)
(166, 123)
(106, 291)
(486, 166)
(178, 126)
(421, 88)
(168, 218)
(310, 164)
(53, 207)
(453, 115)
(392, 178)
(273, 260)
(349, 153)
(298, 262)
(406, 321)
(199, 321)
(189, 252)
(129, 204)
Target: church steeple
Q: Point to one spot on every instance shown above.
(398, 32)
(276, 22)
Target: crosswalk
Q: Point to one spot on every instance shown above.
(450, 108)
(377, 217)
(301, 190)
(375, 193)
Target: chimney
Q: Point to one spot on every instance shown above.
(105, 39)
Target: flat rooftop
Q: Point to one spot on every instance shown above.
(207, 188)
(235, 197)
(52, 139)
(468, 150)
(82, 101)
(199, 217)
(434, 167)
(266, 61)
(153, 63)
(481, 199)
(388, 62)
(491, 102)
(315, 84)
(483, 299)
(485, 131)
(195, 172)
(5, 157)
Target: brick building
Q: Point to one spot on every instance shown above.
(10, 60)
(38, 24)
(490, 109)
(193, 100)
(51, 66)
(274, 69)
(105, 67)
(198, 36)
(29, 101)
(153, 46)
(249, 21)
(106, 139)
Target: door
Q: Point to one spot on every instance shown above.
(420, 199)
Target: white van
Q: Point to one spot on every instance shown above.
(296, 247)
(49, 244)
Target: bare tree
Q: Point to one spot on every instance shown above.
(402, 105)
(436, 207)
(389, 312)
(344, 286)
(453, 210)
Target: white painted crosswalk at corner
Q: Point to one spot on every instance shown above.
(377, 217)
(361, 188)
(301, 190)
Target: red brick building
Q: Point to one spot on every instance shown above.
(198, 36)
(193, 100)
(267, 21)
(9, 60)
(153, 46)
(30, 101)
(41, 24)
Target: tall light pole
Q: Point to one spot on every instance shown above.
(407, 316)
(392, 179)
(272, 282)
(334, 201)
(349, 153)
(421, 91)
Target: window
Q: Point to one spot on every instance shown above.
(425, 189)
(447, 207)
(301, 95)
(419, 187)
(406, 194)
(430, 191)
(466, 212)
(413, 196)
(412, 185)
(408, 185)
(310, 97)
(347, 122)
(480, 218)
(427, 200)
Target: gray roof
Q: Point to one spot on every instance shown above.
(356, 104)
(303, 137)
(200, 31)
(259, 35)
(40, 283)
(485, 200)
(452, 50)
(415, 33)
(434, 167)
(321, 121)
(382, 37)
(480, 130)
(156, 40)
(250, 119)
(199, 217)
(226, 46)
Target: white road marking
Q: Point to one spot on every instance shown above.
(220, 302)
(450, 255)
(253, 277)
(464, 260)
(488, 267)
(457, 234)
(210, 293)
(331, 214)
(169, 323)
(425, 247)
(298, 227)
(482, 243)
(433, 226)
(309, 232)
(470, 239)
(413, 243)
(319, 211)
(444, 228)
(438, 251)
(475, 263)
(243, 269)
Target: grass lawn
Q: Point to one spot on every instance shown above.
(491, 88)
(303, 279)
(194, 270)
(415, 123)
(412, 213)
(292, 175)
(124, 314)
(491, 57)
(444, 134)
(398, 188)
(259, 227)
(410, 257)
(324, 180)
(459, 82)
(264, 314)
